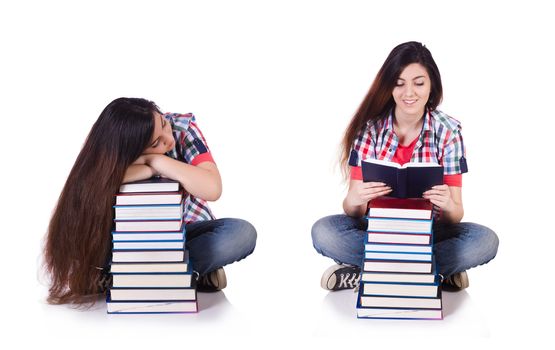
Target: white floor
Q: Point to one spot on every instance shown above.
(274, 316)
(332, 317)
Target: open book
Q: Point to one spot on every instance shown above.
(406, 181)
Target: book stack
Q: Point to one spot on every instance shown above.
(399, 279)
(150, 265)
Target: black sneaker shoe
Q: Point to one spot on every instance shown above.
(103, 280)
(339, 277)
(455, 282)
(212, 282)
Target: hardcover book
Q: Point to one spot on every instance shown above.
(142, 198)
(406, 181)
(148, 255)
(400, 289)
(126, 236)
(399, 225)
(151, 307)
(155, 184)
(153, 294)
(395, 208)
(149, 212)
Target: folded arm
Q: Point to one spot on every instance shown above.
(202, 180)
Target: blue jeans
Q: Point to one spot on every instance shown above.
(457, 247)
(215, 243)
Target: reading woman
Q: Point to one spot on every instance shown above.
(398, 121)
(132, 140)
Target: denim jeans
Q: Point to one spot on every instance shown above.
(457, 247)
(215, 243)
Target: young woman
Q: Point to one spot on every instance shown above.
(132, 140)
(398, 121)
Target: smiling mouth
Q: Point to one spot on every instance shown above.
(409, 102)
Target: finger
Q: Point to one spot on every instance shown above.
(437, 200)
(374, 194)
(381, 193)
(374, 184)
(374, 190)
(436, 193)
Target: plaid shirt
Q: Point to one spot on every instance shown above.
(191, 148)
(439, 142)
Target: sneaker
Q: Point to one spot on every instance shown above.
(212, 281)
(339, 277)
(103, 280)
(455, 282)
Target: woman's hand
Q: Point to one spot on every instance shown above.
(440, 196)
(449, 200)
(360, 193)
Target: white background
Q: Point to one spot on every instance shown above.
(273, 85)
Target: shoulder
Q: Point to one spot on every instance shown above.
(180, 121)
(441, 121)
(373, 127)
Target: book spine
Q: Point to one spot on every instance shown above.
(402, 184)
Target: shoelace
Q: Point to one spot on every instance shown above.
(346, 282)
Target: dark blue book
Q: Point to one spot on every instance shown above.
(406, 181)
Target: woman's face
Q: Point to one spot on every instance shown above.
(162, 140)
(412, 90)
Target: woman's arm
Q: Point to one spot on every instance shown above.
(138, 171)
(360, 193)
(449, 200)
(202, 180)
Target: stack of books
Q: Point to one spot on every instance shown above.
(399, 279)
(150, 265)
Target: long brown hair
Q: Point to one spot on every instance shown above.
(78, 241)
(379, 99)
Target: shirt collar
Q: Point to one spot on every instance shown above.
(427, 126)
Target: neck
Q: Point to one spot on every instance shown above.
(407, 126)
(408, 121)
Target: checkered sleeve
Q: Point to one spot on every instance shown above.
(362, 147)
(454, 157)
(192, 144)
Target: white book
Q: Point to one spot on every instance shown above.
(149, 198)
(398, 256)
(149, 267)
(390, 266)
(140, 307)
(152, 280)
(399, 225)
(148, 236)
(398, 248)
(400, 302)
(427, 314)
(398, 277)
(146, 226)
(149, 245)
(400, 289)
(148, 256)
(399, 238)
(117, 294)
(155, 184)
(149, 212)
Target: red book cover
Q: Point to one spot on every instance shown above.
(388, 207)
